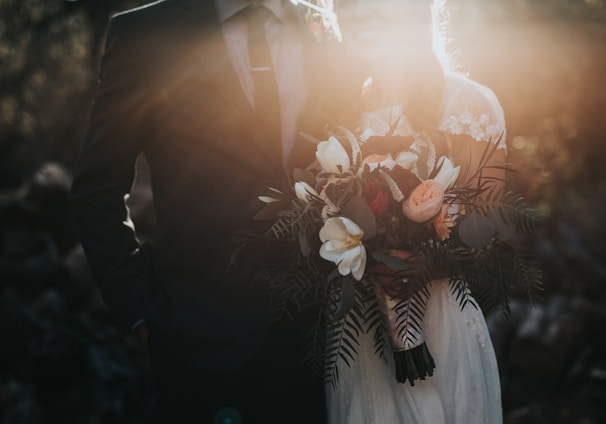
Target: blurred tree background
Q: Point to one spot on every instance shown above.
(62, 358)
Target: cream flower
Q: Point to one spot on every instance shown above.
(448, 174)
(342, 244)
(304, 191)
(407, 160)
(332, 156)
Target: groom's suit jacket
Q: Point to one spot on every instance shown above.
(167, 89)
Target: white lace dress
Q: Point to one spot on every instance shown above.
(465, 386)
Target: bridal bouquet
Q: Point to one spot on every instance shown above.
(370, 224)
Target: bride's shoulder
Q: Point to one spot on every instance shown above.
(464, 89)
(473, 109)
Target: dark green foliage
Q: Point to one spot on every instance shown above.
(342, 333)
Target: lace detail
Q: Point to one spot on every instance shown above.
(477, 127)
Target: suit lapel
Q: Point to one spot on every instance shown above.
(201, 27)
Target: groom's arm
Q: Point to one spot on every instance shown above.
(105, 174)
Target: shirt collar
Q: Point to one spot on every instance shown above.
(228, 8)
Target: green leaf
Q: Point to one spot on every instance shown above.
(476, 230)
(347, 299)
(304, 244)
(359, 212)
(339, 192)
(271, 210)
(304, 175)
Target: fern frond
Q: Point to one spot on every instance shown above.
(528, 275)
(460, 290)
(342, 335)
(491, 282)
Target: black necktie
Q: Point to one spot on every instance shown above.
(267, 103)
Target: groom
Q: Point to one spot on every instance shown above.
(176, 86)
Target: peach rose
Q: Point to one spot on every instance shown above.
(424, 202)
(443, 223)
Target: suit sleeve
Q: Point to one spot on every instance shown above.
(105, 174)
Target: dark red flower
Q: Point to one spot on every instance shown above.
(406, 180)
(376, 198)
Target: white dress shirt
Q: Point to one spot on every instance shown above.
(287, 56)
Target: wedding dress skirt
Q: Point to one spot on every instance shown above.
(465, 386)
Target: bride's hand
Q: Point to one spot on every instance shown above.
(388, 278)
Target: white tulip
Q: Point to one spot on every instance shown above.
(342, 244)
(332, 156)
(304, 191)
(448, 174)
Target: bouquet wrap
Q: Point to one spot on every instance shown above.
(402, 323)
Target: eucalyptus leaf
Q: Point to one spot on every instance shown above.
(345, 193)
(476, 230)
(504, 230)
(338, 192)
(359, 212)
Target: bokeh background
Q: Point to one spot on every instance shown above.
(64, 360)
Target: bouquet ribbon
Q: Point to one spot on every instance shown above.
(402, 323)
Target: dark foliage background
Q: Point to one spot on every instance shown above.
(62, 358)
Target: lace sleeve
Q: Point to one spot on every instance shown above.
(472, 109)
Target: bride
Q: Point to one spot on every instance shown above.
(411, 87)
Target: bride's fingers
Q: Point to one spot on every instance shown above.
(402, 254)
